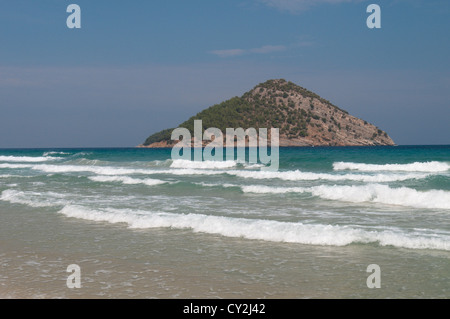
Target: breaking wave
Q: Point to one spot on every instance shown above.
(180, 163)
(375, 193)
(55, 153)
(267, 230)
(428, 167)
(254, 174)
(27, 159)
(309, 176)
(127, 180)
(33, 199)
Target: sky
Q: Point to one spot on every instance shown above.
(136, 67)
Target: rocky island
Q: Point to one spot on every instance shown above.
(303, 118)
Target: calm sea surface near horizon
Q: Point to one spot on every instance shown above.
(140, 225)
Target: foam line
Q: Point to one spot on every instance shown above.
(428, 167)
(375, 193)
(27, 159)
(267, 230)
(127, 180)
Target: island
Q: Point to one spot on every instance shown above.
(302, 117)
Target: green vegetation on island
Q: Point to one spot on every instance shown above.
(298, 113)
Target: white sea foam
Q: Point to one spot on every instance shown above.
(127, 180)
(189, 171)
(27, 159)
(262, 189)
(294, 175)
(157, 163)
(12, 166)
(180, 163)
(376, 193)
(100, 170)
(226, 185)
(108, 170)
(261, 175)
(253, 166)
(31, 199)
(267, 230)
(55, 153)
(15, 176)
(434, 199)
(89, 162)
(430, 167)
(58, 200)
(310, 176)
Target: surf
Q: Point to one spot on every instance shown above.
(371, 193)
(427, 167)
(258, 229)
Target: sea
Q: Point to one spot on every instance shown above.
(331, 222)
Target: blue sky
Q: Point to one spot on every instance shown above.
(136, 67)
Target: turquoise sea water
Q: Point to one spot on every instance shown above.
(141, 225)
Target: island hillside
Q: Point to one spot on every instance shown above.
(303, 118)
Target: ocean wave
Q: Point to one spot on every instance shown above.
(428, 167)
(79, 154)
(253, 166)
(309, 176)
(32, 199)
(403, 196)
(211, 168)
(375, 193)
(55, 153)
(226, 185)
(156, 163)
(127, 180)
(13, 176)
(7, 165)
(254, 174)
(27, 159)
(100, 170)
(89, 162)
(108, 170)
(58, 200)
(262, 189)
(266, 230)
(189, 171)
(180, 163)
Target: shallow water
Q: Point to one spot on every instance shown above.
(140, 225)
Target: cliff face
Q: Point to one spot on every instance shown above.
(303, 118)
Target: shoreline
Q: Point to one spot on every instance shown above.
(168, 146)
